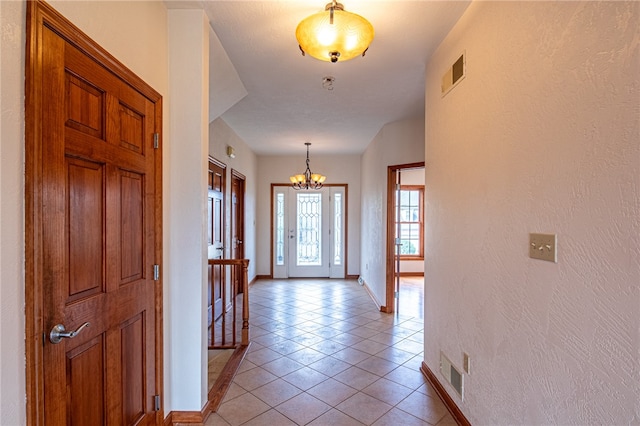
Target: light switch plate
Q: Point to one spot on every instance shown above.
(543, 247)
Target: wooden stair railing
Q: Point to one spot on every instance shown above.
(223, 336)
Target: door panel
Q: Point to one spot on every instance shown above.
(99, 241)
(237, 224)
(215, 202)
(309, 227)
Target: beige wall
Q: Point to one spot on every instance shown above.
(400, 142)
(12, 321)
(542, 135)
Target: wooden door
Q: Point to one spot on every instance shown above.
(237, 223)
(96, 228)
(215, 202)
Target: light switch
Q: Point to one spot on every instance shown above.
(543, 247)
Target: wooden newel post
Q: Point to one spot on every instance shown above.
(245, 302)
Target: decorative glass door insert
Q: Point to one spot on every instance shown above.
(309, 226)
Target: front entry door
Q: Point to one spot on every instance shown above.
(309, 233)
(98, 214)
(309, 237)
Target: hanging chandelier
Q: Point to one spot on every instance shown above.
(334, 34)
(307, 180)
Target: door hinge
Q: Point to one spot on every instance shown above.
(156, 140)
(156, 272)
(156, 403)
(395, 294)
(397, 185)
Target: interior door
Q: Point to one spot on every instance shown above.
(237, 223)
(215, 227)
(100, 228)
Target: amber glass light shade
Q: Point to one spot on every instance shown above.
(349, 35)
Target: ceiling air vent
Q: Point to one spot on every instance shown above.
(453, 75)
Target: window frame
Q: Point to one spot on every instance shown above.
(420, 189)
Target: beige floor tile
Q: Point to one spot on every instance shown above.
(431, 410)
(270, 418)
(415, 363)
(330, 366)
(245, 366)
(215, 420)
(356, 378)
(427, 389)
(334, 417)
(447, 421)
(242, 409)
(329, 347)
(386, 338)
(332, 392)
(409, 346)
(306, 356)
(364, 332)
(395, 417)
(350, 355)
(364, 408)
(347, 338)
(305, 378)
(254, 378)
(276, 392)
(282, 366)
(370, 347)
(262, 356)
(395, 355)
(387, 391)
(377, 365)
(234, 391)
(303, 408)
(407, 377)
(286, 347)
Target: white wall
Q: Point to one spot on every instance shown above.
(339, 170)
(245, 162)
(542, 135)
(12, 321)
(400, 142)
(185, 299)
(141, 44)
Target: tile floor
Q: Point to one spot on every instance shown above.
(322, 354)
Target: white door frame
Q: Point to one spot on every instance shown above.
(284, 233)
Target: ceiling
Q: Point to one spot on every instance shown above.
(286, 104)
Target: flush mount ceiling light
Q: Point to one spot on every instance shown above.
(334, 34)
(307, 180)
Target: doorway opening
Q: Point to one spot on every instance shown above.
(308, 233)
(405, 239)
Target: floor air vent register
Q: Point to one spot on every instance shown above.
(452, 375)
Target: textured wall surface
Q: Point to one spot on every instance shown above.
(400, 142)
(12, 358)
(542, 135)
